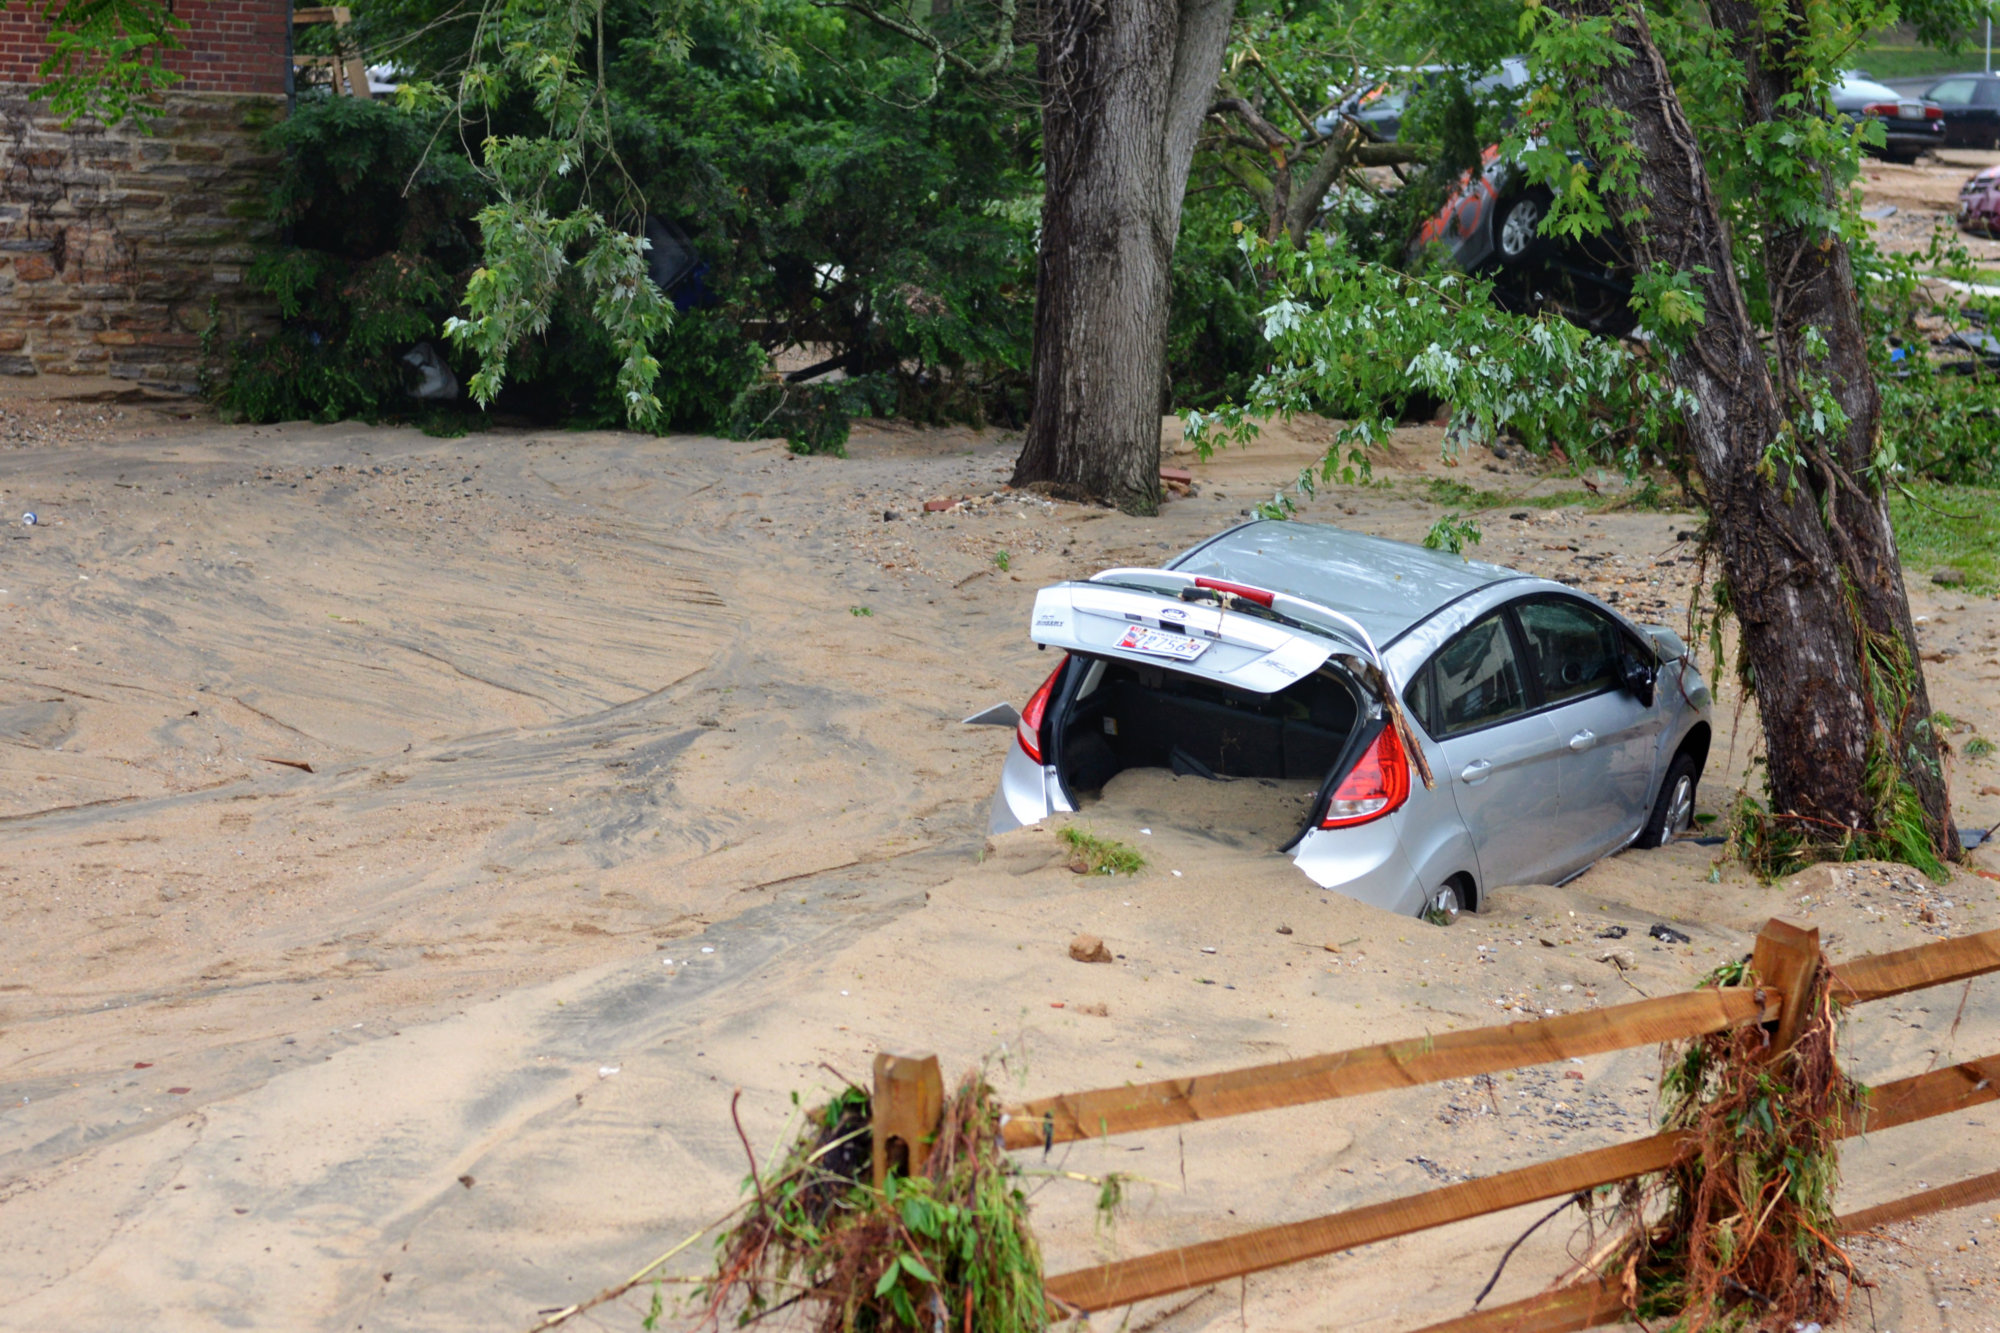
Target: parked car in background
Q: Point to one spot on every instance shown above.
(1456, 726)
(1979, 203)
(1490, 225)
(1912, 126)
(1970, 104)
(1380, 107)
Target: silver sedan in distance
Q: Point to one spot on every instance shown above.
(1459, 725)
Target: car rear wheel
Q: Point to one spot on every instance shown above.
(1448, 902)
(1673, 811)
(1516, 237)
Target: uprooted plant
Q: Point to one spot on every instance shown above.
(947, 1246)
(1740, 1233)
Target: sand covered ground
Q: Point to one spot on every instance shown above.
(408, 845)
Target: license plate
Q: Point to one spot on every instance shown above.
(1910, 110)
(1159, 643)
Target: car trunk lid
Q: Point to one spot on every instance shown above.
(1245, 638)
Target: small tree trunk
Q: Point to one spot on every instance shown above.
(1124, 89)
(1798, 638)
(1810, 280)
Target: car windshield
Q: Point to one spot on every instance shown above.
(1866, 89)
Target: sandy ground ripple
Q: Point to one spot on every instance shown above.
(635, 778)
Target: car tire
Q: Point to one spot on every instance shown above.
(1673, 810)
(1516, 235)
(1445, 906)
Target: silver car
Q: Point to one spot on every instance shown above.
(1465, 725)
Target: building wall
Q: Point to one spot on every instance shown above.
(116, 245)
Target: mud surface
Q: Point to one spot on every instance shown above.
(408, 845)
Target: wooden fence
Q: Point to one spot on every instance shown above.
(909, 1093)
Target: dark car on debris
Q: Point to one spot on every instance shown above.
(1491, 226)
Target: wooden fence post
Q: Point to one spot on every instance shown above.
(1786, 959)
(908, 1103)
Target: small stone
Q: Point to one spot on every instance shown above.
(938, 506)
(1621, 959)
(890, 516)
(1176, 474)
(1284, 930)
(1089, 949)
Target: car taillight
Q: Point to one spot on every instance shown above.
(1378, 784)
(1028, 731)
(1933, 113)
(1879, 109)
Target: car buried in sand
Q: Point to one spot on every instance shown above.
(1455, 725)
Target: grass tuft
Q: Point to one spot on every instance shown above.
(1101, 856)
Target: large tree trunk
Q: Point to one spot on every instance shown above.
(1798, 638)
(1124, 88)
(1810, 282)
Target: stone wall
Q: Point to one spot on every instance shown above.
(115, 246)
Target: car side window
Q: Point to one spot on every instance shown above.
(1989, 93)
(1476, 680)
(1953, 92)
(1575, 648)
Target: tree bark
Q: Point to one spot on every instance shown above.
(1799, 640)
(1810, 283)
(1125, 86)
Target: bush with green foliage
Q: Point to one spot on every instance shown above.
(376, 241)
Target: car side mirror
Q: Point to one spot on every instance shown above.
(1639, 677)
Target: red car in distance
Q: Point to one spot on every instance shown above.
(1979, 203)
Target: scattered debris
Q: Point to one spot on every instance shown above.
(1612, 933)
(299, 764)
(1668, 935)
(1089, 949)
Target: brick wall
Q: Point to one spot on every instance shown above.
(116, 246)
(231, 46)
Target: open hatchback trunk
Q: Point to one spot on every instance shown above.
(1169, 671)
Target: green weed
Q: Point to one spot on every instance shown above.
(1979, 747)
(1448, 491)
(860, 611)
(1003, 560)
(1101, 856)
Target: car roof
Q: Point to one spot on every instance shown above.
(1388, 586)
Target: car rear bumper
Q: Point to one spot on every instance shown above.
(1028, 794)
(1366, 862)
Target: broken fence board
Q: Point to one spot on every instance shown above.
(1106, 1286)
(1595, 1303)
(1565, 1310)
(1396, 1064)
(1879, 976)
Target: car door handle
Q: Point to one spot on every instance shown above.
(1475, 772)
(1583, 740)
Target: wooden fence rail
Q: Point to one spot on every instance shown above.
(1104, 1286)
(1785, 963)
